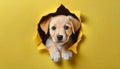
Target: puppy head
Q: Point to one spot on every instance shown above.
(61, 27)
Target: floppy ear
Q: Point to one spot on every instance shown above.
(45, 25)
(74, 23)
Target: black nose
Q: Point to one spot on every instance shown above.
(59, 37)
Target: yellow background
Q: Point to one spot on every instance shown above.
(99, 50)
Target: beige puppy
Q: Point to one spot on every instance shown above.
(60, 29)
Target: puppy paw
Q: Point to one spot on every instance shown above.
(55, 56)
(66, 55)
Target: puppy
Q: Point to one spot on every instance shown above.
(60, 28)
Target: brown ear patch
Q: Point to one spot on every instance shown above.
(45, 25)
(75, 24)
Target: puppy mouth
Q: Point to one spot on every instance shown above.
(60, 42)
(56, 40)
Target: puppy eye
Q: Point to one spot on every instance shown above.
(53, 28)
(66, 27)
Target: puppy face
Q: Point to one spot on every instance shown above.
(60, 27)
